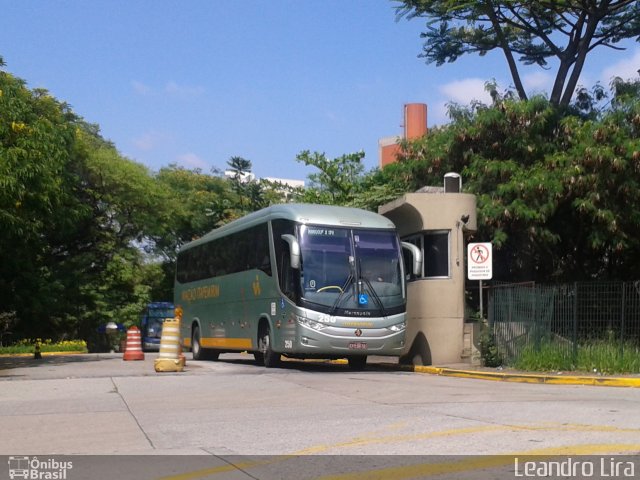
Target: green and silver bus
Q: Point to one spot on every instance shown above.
(299, 280)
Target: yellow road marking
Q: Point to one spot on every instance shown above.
(359, 441)
(483, 462)
(474, 462)
(371, 440)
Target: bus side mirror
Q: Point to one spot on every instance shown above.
(294, 249)
(416, 254)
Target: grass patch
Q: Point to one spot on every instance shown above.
(29, 345)
(593, 357)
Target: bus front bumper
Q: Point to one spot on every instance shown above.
(151, 346)
(350, 341)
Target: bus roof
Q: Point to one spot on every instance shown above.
(160, 305)
(305, 213)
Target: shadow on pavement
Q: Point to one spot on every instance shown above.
(25, 362)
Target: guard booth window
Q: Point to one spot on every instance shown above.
(436, 253)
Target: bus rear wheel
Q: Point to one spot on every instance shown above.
(265, 355)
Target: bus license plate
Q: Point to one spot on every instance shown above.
(358, 346)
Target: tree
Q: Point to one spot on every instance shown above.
(190, 193)
(75, 217)
(338, 180)
(129, 210)
(537, 31)
(343, 181)
(248, 194)
(38, 206)
(240, 167)
(558, 194)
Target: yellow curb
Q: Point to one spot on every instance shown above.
(633, 382)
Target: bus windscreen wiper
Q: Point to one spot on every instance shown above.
(375, 296)
(347, 282)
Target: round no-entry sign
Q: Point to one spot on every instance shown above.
(479, 261)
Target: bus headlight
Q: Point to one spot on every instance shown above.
(398, 327)
(305, 322)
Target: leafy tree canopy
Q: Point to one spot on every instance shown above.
(533, 31)
(337, 180)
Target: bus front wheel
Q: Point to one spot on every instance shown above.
(197, 351)
(357, 362)
(265, 355)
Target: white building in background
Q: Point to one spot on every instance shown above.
(244, 177)
(250, 177)
(286, 181)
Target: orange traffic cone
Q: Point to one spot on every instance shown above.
(134, 345)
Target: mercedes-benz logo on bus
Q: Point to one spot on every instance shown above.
(358, 333)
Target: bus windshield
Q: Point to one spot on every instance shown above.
(351, 271)
(152, 322)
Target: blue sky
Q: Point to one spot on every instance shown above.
(199, 81)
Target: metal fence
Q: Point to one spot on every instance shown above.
(569, 318)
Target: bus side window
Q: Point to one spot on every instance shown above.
(262, 250)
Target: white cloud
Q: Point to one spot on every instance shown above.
(172, 88)
(626, 69)
(465, 91)
(149, 141)
(192, 160)
(140, 88)
(438, 114)
(538, 82)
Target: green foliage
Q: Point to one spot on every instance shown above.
(189, 193)
(27, 346)
(489, 353)
(558, 193)
(74, 215)
(338, 180)
(38, 208)
(343, 181)
(124, 196)
(606, 357)
(245, 194)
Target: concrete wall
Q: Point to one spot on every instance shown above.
(435, 307)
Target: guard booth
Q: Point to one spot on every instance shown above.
(437, 220)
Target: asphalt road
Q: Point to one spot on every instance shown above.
(100, 404)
